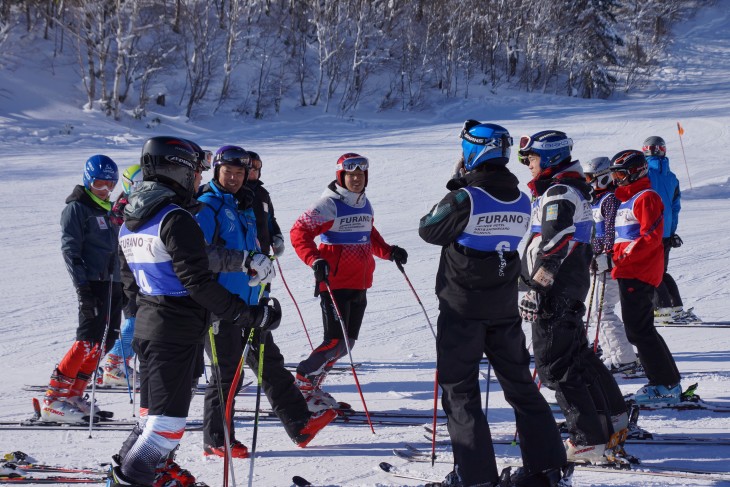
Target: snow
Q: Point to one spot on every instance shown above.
(46, 137)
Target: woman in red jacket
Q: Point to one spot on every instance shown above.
(638, 259)
(343, 219)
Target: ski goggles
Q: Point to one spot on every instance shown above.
(354, 163)
(525, 141)
(103, 185)
(205, 161)
(237, 157)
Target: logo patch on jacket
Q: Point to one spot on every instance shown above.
(551, 212)
(102, 223)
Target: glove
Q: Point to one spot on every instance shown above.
(675, 241)
(277, 245)
(265, 316)
(259, 267)
(88, 304)
(321, 270)
(398, 255)
(601, 263)
(529, 306)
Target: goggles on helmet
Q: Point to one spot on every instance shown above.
(654, 149)
(206, 160)
(103, 185)
(238, 157)
(354, 163)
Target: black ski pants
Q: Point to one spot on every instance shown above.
(667, 294)
(92, 329)
(460, 345)
(637, 312)
(585, 390)
(278, 383)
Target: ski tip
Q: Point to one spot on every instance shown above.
(300, 481)
(385, 466)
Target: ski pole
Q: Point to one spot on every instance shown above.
(301, 318)
(227, 460)
(134, 380)
(236, 379)
(590, 303)
(262, 342)
(435, 407)
(349, 353)
(680, 130)
(403, 271)
(600, 311)
(126, 369)
(101, 354)
(486, 394)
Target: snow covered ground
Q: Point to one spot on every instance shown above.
(411, 157)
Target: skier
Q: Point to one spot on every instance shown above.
(227, 218)
(114, 369)
(638, 268)
(269, 233)
(165, 267)
(479, 225)
(667, 300)
(555, 267)
(89, 247)
(343, 219)
(618, 354)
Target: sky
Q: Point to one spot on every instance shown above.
(46, 137)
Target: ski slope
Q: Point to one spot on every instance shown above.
(411, 157)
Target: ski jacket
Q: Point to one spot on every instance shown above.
(604, 217)
(226, 222)
(479, 225)
(638, 252)
(665, 182)
(88, 240)
(266, 224)
(177, 245)
(561, 225)
(344, 222)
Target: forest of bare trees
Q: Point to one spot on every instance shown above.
(250, 55)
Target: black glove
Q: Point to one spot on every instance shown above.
(675, 241)
(321, 270)
(398, 255)
(88, 304)
(530, 306)
(265, 316)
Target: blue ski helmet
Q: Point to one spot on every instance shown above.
(131, 177)
(100, 167)
(484, 142)
(553, 147)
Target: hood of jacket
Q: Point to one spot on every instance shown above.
(146, 200)
(658, 163)
(624, 193)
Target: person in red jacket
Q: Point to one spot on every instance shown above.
(638, 260)
(343, 219)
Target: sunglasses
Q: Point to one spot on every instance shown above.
(354, 163)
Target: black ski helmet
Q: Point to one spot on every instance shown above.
(171, 161)
(655, 146)
(629, 163)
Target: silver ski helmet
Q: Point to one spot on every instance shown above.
(597, 169)
(484, 143)
(654, 146)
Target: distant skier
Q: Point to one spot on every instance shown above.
(555, 266)
(343, 219)
(668, 302)
(89, 246)
(618, 354)
(638, 268)
(479, 225)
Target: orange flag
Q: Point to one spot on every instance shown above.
(680, 129)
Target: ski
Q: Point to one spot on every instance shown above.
(55, 479)
(22, 462)
(694, 324)
(199, 389)
(402, 474)
(413, 454)
(690, 400)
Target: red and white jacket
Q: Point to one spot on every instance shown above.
(348, 239)
(638, 252)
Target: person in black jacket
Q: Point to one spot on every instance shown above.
(164, 264)
(89, 246)
(267, 228)
(555, 268)
(479, 225)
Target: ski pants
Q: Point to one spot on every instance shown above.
(278, 383)
(167, 371)
(638, 312)
(584, 388)
(611, 332)
(352, 304)
(667, 293)
(460, 345)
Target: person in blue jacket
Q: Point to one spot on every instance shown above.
(668, 302)
(227, 219)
